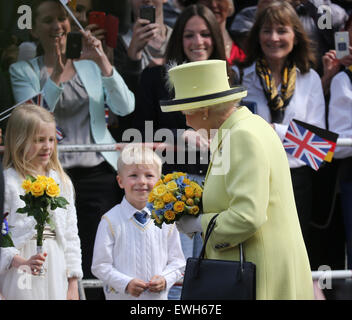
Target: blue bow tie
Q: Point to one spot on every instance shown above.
(141, 217)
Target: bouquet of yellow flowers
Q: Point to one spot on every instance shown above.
(173, 196)
(41, 193)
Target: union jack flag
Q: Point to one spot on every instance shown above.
(38, 100)
(309, 143)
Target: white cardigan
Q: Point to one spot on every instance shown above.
(307, 103)
(340, 111)
(22, 227)
(124, 249)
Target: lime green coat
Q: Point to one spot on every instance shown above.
(249, 184)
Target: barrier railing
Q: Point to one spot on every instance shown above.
(341, 142)
(316, 275)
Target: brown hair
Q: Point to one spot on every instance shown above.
(175, 51)
(36, 4)
(281, 12)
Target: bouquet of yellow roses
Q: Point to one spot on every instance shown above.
(173, 196)
(41, 193)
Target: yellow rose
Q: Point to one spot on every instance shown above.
(158, 183)
(186, 181)
(179, 206)
(198, 193)
(194, 210)
(190, 202)
(50, 180)
(37, 188)
(159, 191)
(158, 204)
(180, 174)
(189, 192)
(169, 215)
(172, 186)
(26, 185)
(195, 185)
(168, 177)
(52, 190)
(151, 197)
(168, 197)
(42, 180)
(183, 198)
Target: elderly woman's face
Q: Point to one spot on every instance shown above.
(197, 40)
(276, 41)
(51, 25)
(194, 119)
(220, 8)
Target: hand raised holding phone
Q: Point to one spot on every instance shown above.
(144, 30)
(97, 24)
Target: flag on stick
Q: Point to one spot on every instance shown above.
(309, 143)
(37, 99)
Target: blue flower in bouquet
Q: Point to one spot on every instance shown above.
(180, 182)
(150, 206)
(5, 239)
(168, 206)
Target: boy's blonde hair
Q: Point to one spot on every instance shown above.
(23, 125)
(138, 154)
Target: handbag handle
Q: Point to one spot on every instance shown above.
(210, 228)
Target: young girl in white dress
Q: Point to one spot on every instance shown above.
(31, 149)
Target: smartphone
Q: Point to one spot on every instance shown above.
(73, 45)
(112, 30)
(342, 44)
(97, 17)
(148, 13)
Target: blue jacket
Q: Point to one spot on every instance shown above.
(25, 79)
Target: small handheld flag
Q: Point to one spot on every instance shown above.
(37, 99)
(309, 143)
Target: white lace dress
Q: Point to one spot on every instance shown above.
(63, 259)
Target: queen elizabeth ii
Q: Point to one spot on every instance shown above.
(248, 183)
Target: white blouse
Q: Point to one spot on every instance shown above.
(124, 249)
(340, 111)
(307, 103)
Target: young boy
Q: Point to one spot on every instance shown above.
(135, 259)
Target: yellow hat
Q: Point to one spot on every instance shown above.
(200, 84)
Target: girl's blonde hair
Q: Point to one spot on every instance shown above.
(23, 125)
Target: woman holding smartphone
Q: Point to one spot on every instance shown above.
(75, 91)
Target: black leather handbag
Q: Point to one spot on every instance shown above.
(210, 279)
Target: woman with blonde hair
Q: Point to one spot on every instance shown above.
(31, 149)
